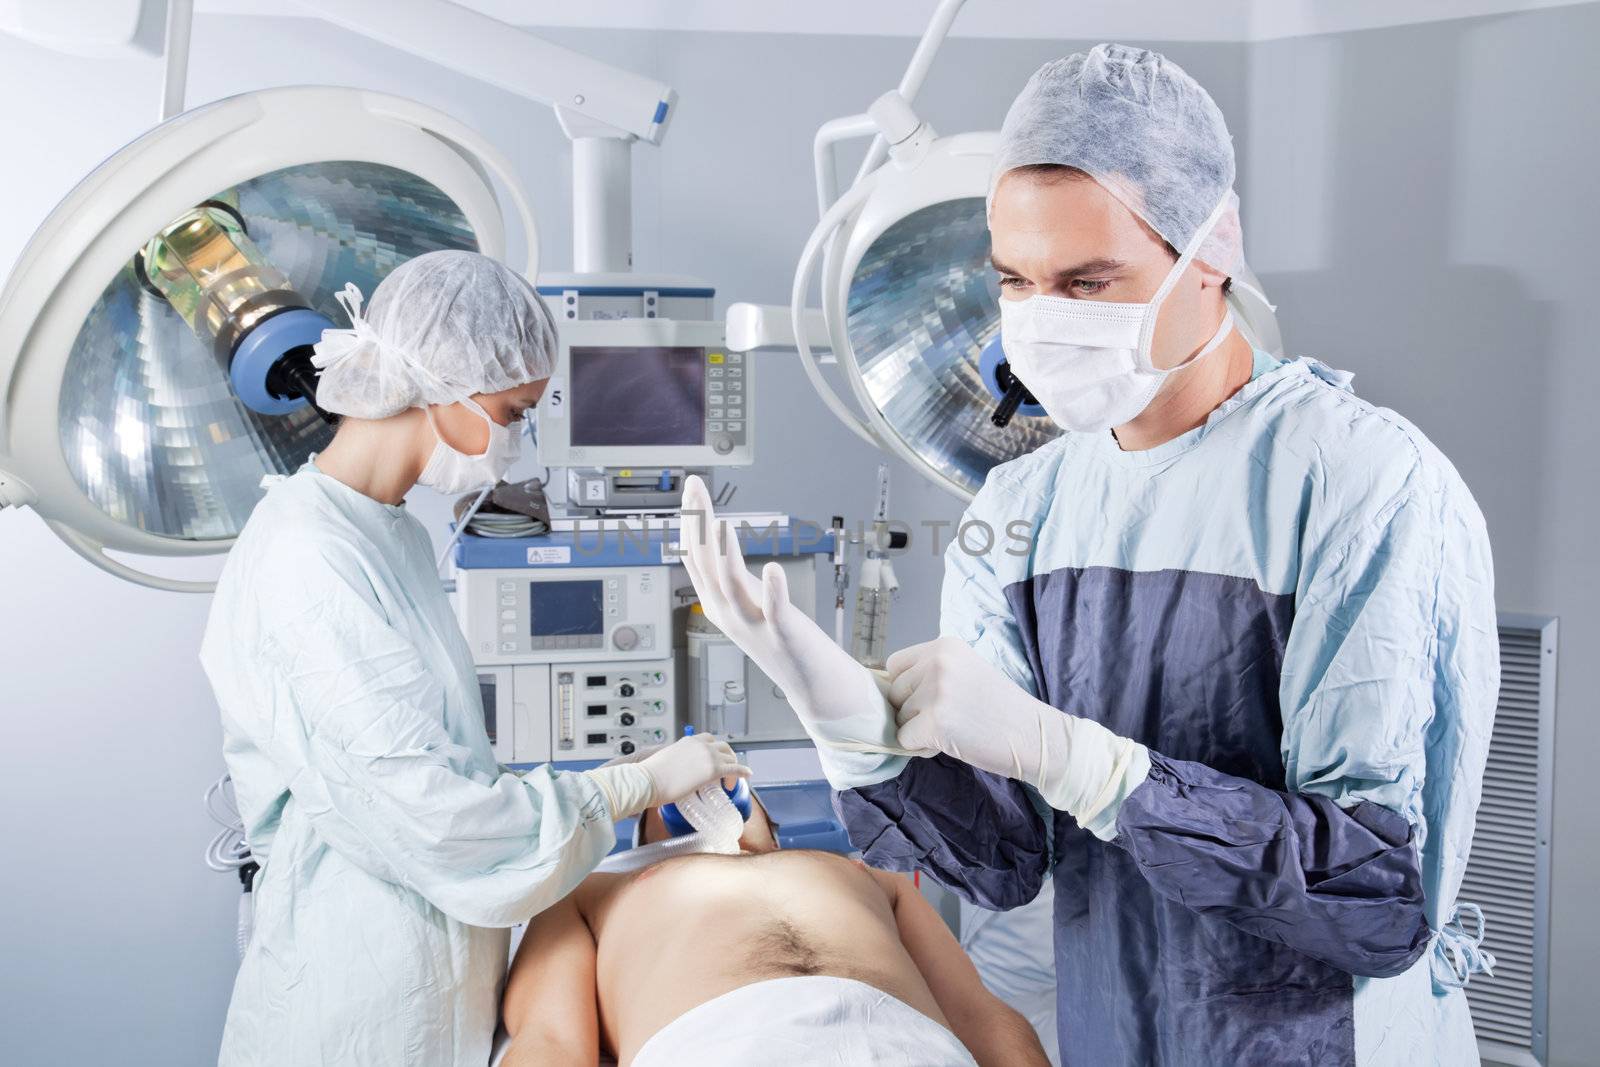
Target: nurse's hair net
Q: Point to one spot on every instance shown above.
(1147, 132)
(441, 327)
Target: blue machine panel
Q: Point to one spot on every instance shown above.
(803, 812)
(631, 548)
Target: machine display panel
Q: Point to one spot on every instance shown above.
(629, 395)
(566, 609)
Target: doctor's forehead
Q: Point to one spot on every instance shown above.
(1050, 222)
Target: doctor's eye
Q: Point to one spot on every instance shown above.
(1085, 287)
(1011, 281)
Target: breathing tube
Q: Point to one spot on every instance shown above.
(678, 824)
(716, 816)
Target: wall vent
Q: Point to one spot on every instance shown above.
(1508, 874)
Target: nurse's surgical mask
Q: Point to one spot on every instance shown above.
(1088, 362)
(451, 471)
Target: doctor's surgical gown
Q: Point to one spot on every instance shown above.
(1292, 606)
(395, 853)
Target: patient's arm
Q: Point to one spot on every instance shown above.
(996, 1035)
(549, 1007)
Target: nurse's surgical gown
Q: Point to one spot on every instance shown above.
(1292, 606)
(395, 853)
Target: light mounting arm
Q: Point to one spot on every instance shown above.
(503, 55)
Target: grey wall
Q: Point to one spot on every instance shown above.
(1398, 236)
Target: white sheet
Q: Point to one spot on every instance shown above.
(817, 1021)
(797, 1022)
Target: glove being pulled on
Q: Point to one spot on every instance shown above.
(838, 701)
(948, 698)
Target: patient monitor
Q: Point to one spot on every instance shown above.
(646, 393)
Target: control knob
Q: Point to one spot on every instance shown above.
(625, 638)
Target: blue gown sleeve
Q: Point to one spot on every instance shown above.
(985, 837)
(1391, 629)
(360, 737)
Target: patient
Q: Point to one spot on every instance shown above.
(762, 959)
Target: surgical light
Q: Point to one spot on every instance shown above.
(205, 265)
(155, 334)
(911, 306)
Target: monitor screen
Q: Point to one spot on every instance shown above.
(563, 609)
(638, 396)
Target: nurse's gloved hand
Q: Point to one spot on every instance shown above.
(951, 699)
(838, 701)
(666, 774)
(687, 764)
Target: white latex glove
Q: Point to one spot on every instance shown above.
(839, 701)
(666, 774)
(951, 699)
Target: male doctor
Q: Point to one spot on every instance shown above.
(1235, 697)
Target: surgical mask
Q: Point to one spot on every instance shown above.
(1088, 362)
(451, 471)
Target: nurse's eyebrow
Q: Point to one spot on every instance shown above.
(1079, 270)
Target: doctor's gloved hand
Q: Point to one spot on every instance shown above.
(666, 774)
(952, 700)
(839, 702)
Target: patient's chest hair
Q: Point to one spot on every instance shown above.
(779, 949)
(776, 945)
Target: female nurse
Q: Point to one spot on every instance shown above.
(395, 853)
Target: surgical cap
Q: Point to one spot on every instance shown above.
(441, 327)
(1147, 132)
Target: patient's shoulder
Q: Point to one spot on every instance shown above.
(891, 882)
(596, 889)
